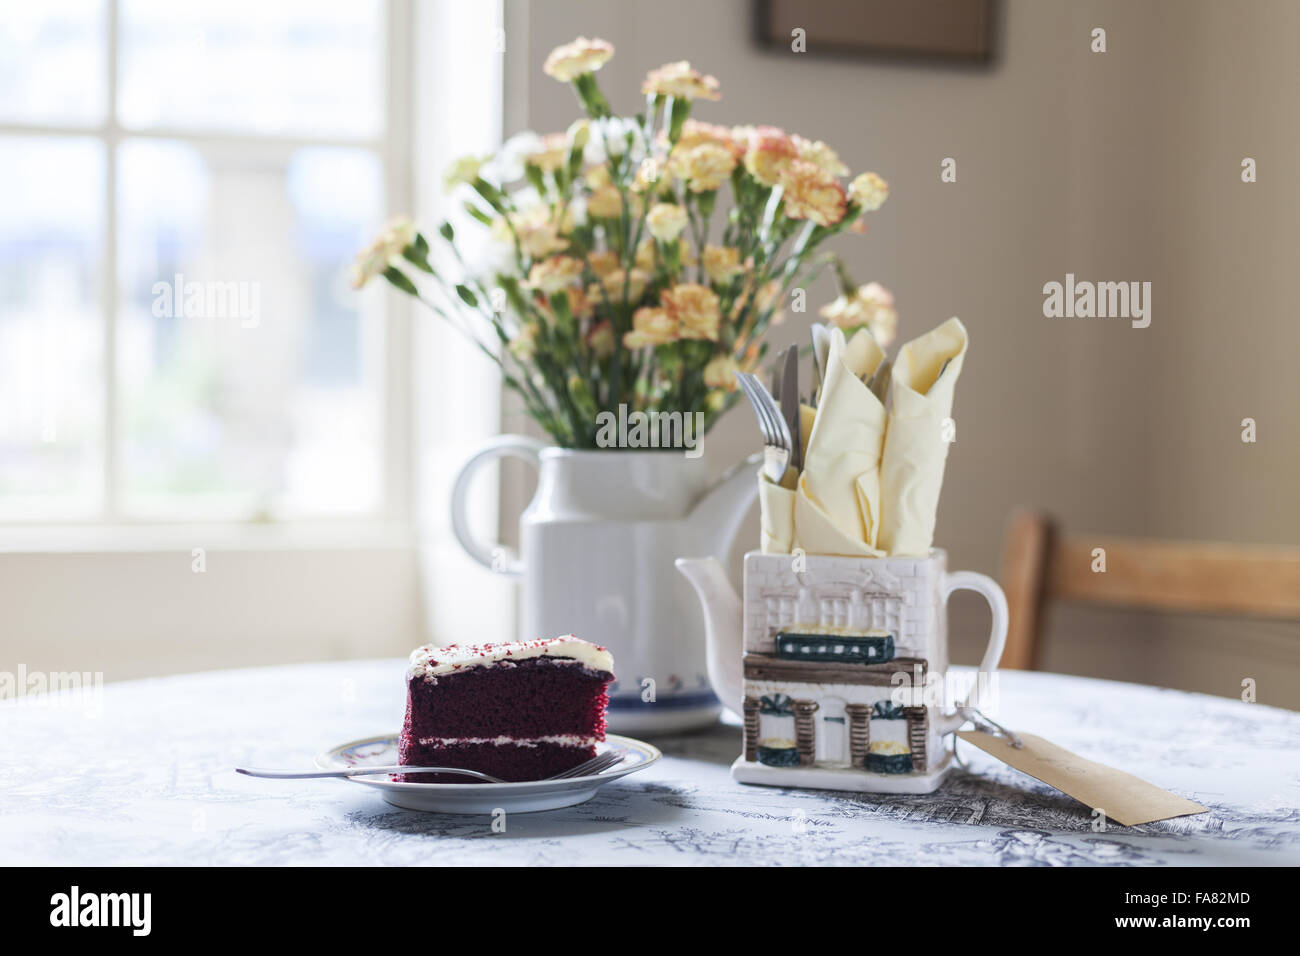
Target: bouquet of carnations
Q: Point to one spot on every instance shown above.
(618, 289)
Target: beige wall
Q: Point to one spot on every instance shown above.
(1115, 166)
(144, 610)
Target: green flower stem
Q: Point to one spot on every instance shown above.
(589, 95)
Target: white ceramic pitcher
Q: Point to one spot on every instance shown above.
(597, 544)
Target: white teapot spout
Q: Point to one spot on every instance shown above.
(717, 515)
(722, 627)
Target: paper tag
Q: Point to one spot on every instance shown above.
(1120, 796)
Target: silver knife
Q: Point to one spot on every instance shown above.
(790, 404)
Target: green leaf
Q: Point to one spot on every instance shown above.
(490, 194)
(399, 279)
(446, 230)
(467, 295)
(534, 176)
(478, 214)
(415, 257)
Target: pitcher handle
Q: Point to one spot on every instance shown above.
(503, 446)
(989, 589)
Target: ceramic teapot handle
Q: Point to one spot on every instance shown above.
(503, 446)
(985, 586)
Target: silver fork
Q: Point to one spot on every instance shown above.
(597, 764)
(777, 442)
(361, 772)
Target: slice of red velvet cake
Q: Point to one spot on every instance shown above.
(523, 710)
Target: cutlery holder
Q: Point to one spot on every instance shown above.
(846, 670)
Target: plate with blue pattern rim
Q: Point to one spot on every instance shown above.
(526, 797)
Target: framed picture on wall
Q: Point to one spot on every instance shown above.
(958, 30)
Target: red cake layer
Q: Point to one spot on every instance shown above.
(507, 761)
(536, 697)
(519, 700)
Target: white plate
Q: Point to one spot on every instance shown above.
(481, 797)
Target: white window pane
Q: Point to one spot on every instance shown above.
(51, 326)
(250, 375)
(289, 67)
(53, 61)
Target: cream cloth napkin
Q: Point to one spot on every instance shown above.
(837, 506)
(916, 448)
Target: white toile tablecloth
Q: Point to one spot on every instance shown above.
(149, 781)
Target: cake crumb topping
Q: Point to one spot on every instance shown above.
(430, 659)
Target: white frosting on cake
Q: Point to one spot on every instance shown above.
(431, 660)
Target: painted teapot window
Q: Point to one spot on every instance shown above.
(889, 751)
(871, 648)
(776, 734)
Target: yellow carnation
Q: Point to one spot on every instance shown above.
(580, 305)
(704, 166)
(603, 199)
(603, 262)
(819, 154)
(871, 305)
(463, 170)
(379, 255)
(680, 81)
(651, 326)
(613, 283)
(722, 263)
(568, 62)
(605, 203)
(647, 256)
(770, 151)
(600, 339)
(695, 132)
(553, 154)
(696, 309)
(538, 235)
(666, 221)
(721, 373)
(812, 193)
(555, 274)
(869, 191)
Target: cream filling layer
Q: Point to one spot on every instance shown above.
(565, 740)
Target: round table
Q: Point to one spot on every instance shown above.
(143, 776)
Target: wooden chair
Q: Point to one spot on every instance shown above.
(1038, 565)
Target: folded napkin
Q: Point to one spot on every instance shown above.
(837, 507)
(916, 448)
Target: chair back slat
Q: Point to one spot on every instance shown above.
(1180, 577)
(1039, 565)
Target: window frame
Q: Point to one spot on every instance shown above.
(393, 146)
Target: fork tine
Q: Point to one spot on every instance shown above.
(776, 431)
(578, 771)
(763, 402)
(597, 764)
(747, 386)
(780, 428)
